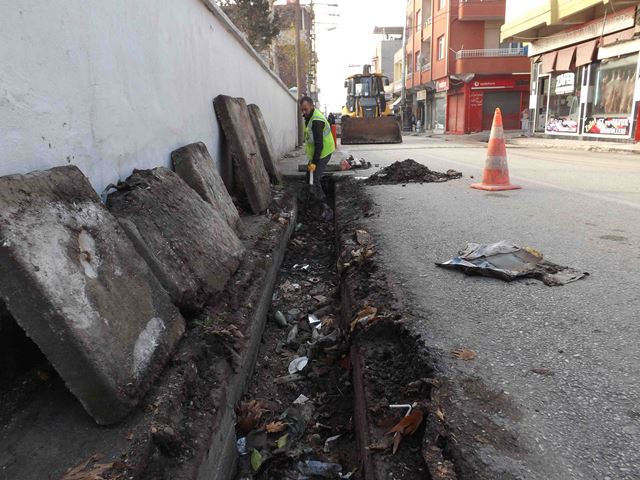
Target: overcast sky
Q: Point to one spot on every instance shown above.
(352, 42)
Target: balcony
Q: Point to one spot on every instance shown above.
(493, 60)
(474, 10)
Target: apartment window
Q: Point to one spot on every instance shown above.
(417, 61)
(442, 4)
(426, 55)
(409, 66)
(441, 47)
(418, 21)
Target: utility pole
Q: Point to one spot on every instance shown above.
(298, 22)
(403, 102)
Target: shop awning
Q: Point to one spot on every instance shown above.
(565, 57)
(584, 55)
(619, 36)
(548, 62)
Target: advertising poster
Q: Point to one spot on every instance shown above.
(608, 125)
(561, 125)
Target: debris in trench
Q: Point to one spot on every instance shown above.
(298, 365)
(249, 415)
(352, 163)
(410, 171)
(89, 470)
(464, 354)
(507, 261)
(320, 469)
(280, 319)
(405, 427)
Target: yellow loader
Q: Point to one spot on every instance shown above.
(367, 117)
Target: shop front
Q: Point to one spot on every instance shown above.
(440, 105)
(594, 100)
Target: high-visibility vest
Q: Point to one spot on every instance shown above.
(328, 145)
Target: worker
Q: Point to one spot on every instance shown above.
(319, 144)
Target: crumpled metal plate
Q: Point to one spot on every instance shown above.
(508, 262)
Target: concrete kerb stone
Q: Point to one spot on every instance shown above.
(190, 247)
(243, 147)
(74, 282)
(267, 151)
(195, 166)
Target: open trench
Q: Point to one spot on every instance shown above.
(334, 417)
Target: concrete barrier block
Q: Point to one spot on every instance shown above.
(74, 282)
(267, 151)
(243, 147)
(195, 166)
(189, 246)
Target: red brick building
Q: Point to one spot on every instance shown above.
(458, 72)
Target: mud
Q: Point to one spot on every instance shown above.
(410, 171)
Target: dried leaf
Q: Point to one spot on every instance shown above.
(282, 441)
(464, 354)
(396, 442)
(365, 315)
(440, 414)
(543, 371)
(86, 472)
(409, 424)
(275, 427)
(256, 460)
(249, 415)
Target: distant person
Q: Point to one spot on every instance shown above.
(331, 119)
(413, 122)
(524, 120)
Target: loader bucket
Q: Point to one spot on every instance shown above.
(370, 130)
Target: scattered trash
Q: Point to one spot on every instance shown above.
(363, 237)
(292, 335)
(356, 163)
(508, 262)
(249, 414)
(302, 399)
(410, 171)
(304, 268)
(329, 441)
(320, 469)
(298, 364)
(464, 354)
(320, 298)
(241, 446)
(313, 320)
(280, 319)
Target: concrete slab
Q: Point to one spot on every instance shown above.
(74, 282)
(243, 148)
(267, 151)
(195, 166)
(190, 247)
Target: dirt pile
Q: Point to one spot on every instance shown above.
(410, 171)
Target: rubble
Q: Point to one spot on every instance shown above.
(192, 250)
(195, 166)
(248, 168)
(409, 171)
(263, 138)
(74, 282)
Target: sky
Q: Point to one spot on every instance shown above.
(352, 42)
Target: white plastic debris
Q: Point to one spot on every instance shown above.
(301, 400)
(298, 364)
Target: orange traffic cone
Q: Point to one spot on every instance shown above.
(496, 170)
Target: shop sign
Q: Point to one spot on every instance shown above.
(561, 125)
(442, 85)
(608, 125)
(487, 84)
(422, 95)
(565, 83)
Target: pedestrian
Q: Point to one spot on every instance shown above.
(319, 146)
(331, 118)
(524, 119)
(413, 122)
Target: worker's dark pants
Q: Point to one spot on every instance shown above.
(317, 190)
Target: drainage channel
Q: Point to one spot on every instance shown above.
(336, 371)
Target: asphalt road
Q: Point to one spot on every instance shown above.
(580, 209)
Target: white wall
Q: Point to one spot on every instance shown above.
(115, 85)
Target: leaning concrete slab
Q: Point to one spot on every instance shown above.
(267, 151)
(192, 250)
(243, 148)
(74, 282)
(195, 166)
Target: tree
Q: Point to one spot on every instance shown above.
(255, 18)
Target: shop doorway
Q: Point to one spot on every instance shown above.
(509, 105)
(544, 83)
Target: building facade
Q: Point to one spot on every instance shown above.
(584, 81)
(458, 70)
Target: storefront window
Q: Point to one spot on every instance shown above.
(440, 113)
(564, 103)
(609, 111)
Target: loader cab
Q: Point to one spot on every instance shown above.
(366, 92)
